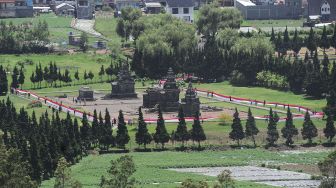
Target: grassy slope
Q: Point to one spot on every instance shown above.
(59, 27)
(151, 167)
(259, 93)
(106, 25)
(80, 61)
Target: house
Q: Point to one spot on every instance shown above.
(16, 8)
(326, 9)
(264, 10)
(120, 4)
(85, 9)
(182, 9)
(153, 8)
(65, 9)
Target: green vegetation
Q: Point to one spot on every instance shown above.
(272, 23)
(151, 167)
(59, 27)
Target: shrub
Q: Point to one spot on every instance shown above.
(272, 80)
(225, 118)
(107, 8)
(238, 79)
(35, 104)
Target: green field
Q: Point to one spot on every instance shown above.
(151, 167)
(260, 93)
(59, 26)
(272, 23)
(106, 25)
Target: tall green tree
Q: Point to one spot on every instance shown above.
(311, 42)
(63, 177)
(237, 132)
(329, 131)
(197, 132)
(309, 131)
(161, 135)
(21, 78)
(15, 82)
(86, 133)
(251, 127)
(324, 41)
(289, 130)
(142, 136)
(181, 133)
(84, 42)
(120, 173)
(333, 39)
(122, 137)
(296, 43)
(272, 131)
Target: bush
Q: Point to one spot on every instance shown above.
(35, 104)
(238, 79)
(107, 8)
(225, 118)
(272, 80)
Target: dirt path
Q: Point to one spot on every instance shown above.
(86, 26)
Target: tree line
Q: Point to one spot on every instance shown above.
(24, 38)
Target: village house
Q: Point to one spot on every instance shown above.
(85, 9)
(16, 8)
(120, 4)
(182, 9)
(326, 9)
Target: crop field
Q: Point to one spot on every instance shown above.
(151, 167)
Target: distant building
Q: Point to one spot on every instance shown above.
(326, 9)
(65, 9)
(120, 4)
(181, 8)
(16, 8)
(85, 9)
(153, 8)
(267, 9)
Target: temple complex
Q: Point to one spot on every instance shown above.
(190, 103)
(124, 86)
(167, 97)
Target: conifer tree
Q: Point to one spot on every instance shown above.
(197, 132)
(333, 39)
(251, 128)
(161, 135)
(324, 41)
(329, 131)
(101, 73)
(142, 136)
(309, 130)
(21, 78)
(122, 137)
(181, 134)
(3, 81)
(237, 132)
(15, 82)
(272, 39)
(311, 42)
(296, 43)
(289, 130)
(272, 132)
(286, 41)
(95, 128)
(86, 133)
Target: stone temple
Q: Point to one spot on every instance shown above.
(124, 86)
(85, 93)
(167, 97)
(190, 103)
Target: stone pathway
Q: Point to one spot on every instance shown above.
(86, 26)
(279, 178)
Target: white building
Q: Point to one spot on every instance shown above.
(182, 9)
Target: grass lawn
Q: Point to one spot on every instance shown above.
(151, 167)
(272, 23)
(260, 93)
(59, 26)
(80, 62)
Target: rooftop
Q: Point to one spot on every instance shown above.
(153, 4)
(246, 2)
(180, 3)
